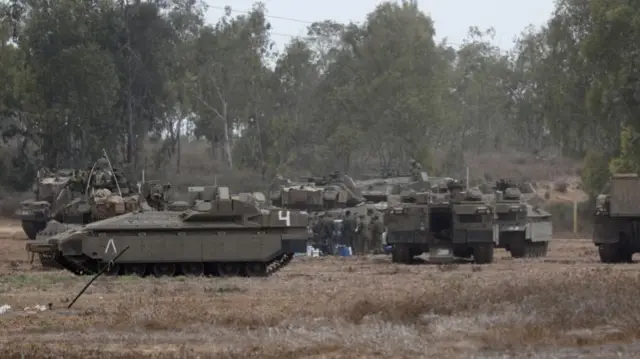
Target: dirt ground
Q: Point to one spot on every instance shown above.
(564, 306)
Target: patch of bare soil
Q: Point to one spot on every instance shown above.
(564, 306)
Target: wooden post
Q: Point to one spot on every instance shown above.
(575, 217)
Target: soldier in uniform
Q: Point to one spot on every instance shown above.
(156, 198)
(76, 182)
(317, 232)
(377, 229)
(328, 228)
(362, 236)
(348, 229)
(416, 170)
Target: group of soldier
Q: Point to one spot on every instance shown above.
(363, 233)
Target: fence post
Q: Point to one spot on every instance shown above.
(575, 217)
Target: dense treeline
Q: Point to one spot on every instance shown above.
(79, 76)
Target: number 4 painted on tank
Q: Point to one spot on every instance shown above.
(285, 216)
(111, 245)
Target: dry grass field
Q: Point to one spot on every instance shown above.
(564, 306)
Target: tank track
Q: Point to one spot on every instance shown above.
(48, 260)
(86, 266)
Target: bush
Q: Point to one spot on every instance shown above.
(595, 172)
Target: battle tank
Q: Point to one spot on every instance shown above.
(63, 196)
(391, 188)
(318, 194)
(88, 196)
(218, 236)
(523, 230)
(35, 213)
(617, 217)
(445, 222)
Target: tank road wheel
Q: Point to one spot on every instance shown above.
(401, 254)
(256, 269)
(609, 253)
(137, 269)
(462, 252)
(193, 269)
(540, 249)
(228, 269)
(483, 253)
(113, 271)
(518, 248)
(164, 269)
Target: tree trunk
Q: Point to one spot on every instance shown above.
(227, 138)
(179, 145)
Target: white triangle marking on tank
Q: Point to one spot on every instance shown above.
(110, 244)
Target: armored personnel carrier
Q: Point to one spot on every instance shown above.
(617, 219)
(523, 230)
(446, 222)
(219, 235)
(35, 213)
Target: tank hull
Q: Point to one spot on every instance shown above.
(162, 244)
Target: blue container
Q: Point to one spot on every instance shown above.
(388, 249)
(344, 251)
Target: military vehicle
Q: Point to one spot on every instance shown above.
(391, 188)
(90, 195)
(219, 235)
(35, 213)
(318, 194)
(523, 230)
(616, 227)
(446, 222)
(63, 195)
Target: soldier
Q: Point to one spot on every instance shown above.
(315, 226)
(357, 236)
(377, 228)
(362, 236)
(328, 228)
(156, 198)
(416, 170)
(349, 229)
(75, 182)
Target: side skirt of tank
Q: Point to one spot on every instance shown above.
(81, 265)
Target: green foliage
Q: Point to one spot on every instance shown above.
(595, 172)
(80, 76)
(628, 160)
